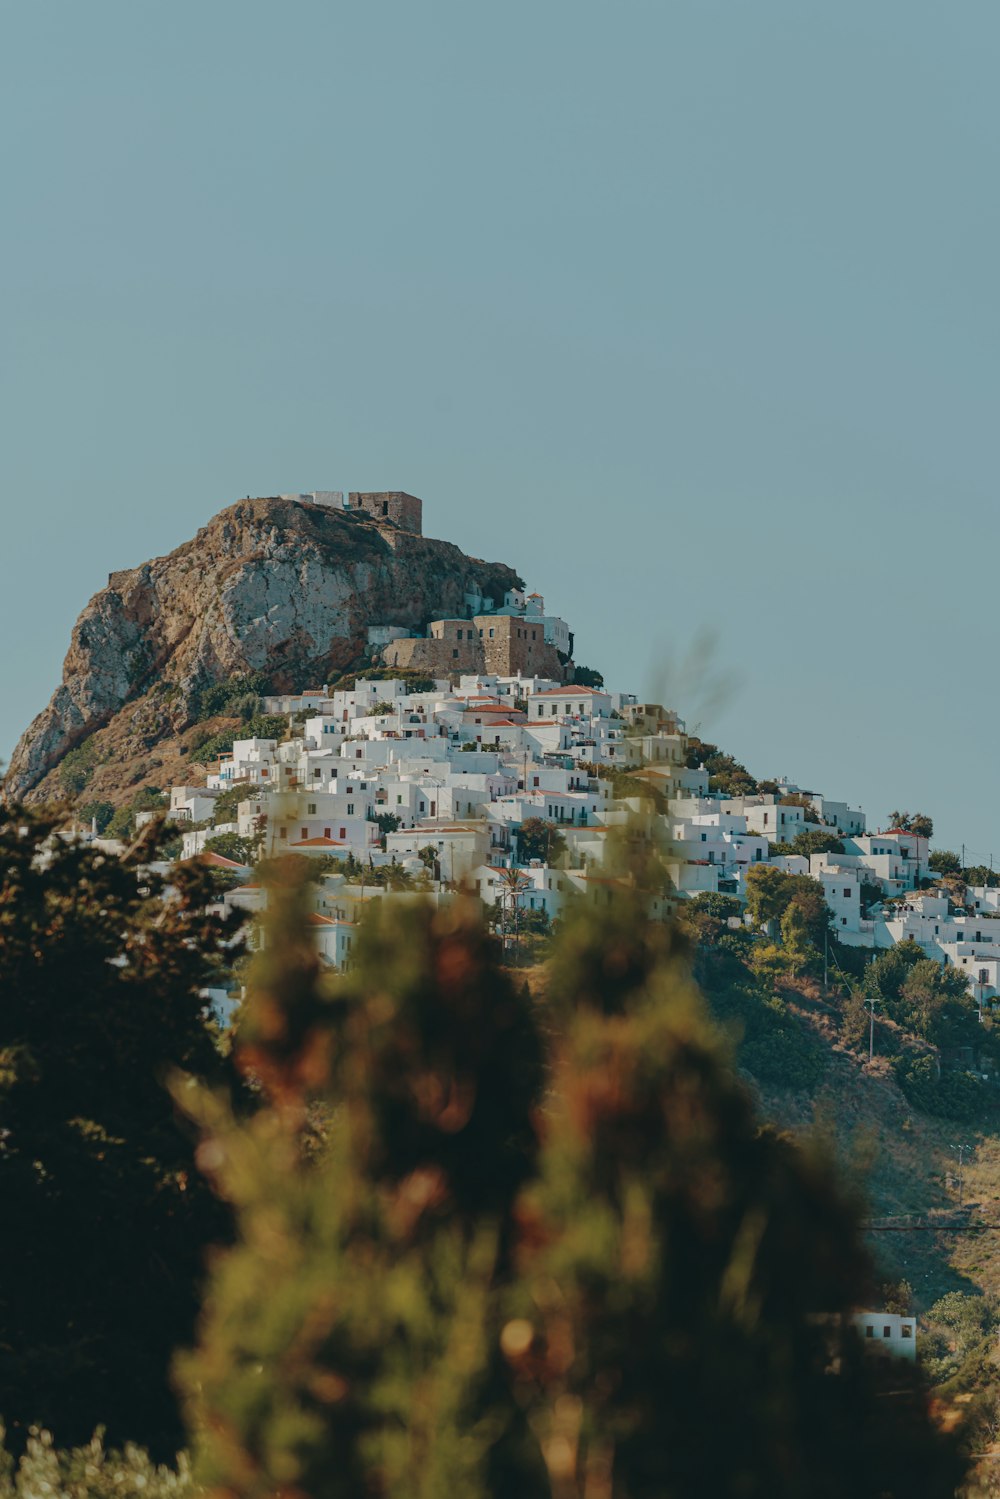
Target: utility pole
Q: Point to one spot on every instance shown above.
(871, 1002)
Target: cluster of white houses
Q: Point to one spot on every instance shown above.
(440, 782)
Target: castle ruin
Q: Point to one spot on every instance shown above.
(404, 510)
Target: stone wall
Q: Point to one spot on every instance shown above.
(499, 644)
(405, 510)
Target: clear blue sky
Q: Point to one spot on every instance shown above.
(687, 310)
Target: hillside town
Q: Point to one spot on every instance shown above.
(510, 786)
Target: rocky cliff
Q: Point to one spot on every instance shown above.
(272, 586)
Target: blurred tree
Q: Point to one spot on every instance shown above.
(106, 1220)
(444, 1287)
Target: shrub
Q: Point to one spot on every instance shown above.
(78, 765)
(45, 1471)
(955, 1095)
(224, 697)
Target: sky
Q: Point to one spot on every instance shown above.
(687, 310)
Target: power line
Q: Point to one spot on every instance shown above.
(930, 1228)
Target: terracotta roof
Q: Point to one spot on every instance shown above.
(218, 862)
(318, 843)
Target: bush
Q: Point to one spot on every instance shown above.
(78, 765)
(955, 1095)
(45, 1471)
(230, 697)
(771, 1043)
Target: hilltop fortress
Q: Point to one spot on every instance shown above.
(395, 505)
(503, 638)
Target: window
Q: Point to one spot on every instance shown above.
(887, 1332)
(350, 809)
(455, 651)
(312, 809)
(906, 1331)
(343, 833)
(326, 832)
(305, 832)
(282, 832)
(843, 921)
(869, 1331)
(847, 895)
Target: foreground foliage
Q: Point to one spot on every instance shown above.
(93, 1471)
(105, 1218)
(488, 1250)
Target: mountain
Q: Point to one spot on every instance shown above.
(280, 588)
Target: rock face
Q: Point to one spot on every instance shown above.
(270, 585)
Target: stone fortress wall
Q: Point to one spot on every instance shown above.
(497, 644)
(404, 510)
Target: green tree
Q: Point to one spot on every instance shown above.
(107, 1219)
(768, 893)
(99, 812)
(815, 841)
(439, 1287)
(935, 1002)
(912, 822)
(943, 861)
(586, 676)
(231, 846)
(537, 839)
(721, 906)
(796, 940)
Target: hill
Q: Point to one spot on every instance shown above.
(278, 591)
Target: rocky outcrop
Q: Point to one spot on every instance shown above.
(270, 585)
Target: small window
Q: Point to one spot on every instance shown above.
(887, 1332)
(906, 1331)
(847, 895)
(869, 1331)
(312, 809)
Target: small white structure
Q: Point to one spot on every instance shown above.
(889, 1332)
